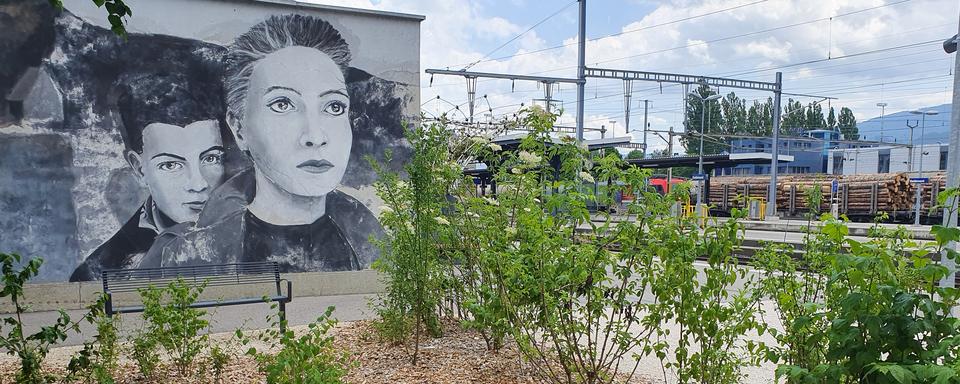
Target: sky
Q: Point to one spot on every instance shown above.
(860, 52)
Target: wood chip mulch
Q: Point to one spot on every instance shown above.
(459, 356)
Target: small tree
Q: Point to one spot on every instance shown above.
(416, 230)
(32, 349)
(172, 324)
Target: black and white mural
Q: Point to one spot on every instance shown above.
(242, 137)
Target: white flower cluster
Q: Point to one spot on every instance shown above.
(491, 201)
(585, 176)
(494, 147)
(478, 140)
(529, 159)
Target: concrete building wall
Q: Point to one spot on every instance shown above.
(83, 112)
(866, 160)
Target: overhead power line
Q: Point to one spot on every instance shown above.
(519, 35)
(736, 36)
(620, 33)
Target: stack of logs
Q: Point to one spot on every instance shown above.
(894, 191)
(929, 196)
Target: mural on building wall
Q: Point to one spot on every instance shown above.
(195, 152)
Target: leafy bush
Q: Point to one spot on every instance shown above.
(218, 360)
(143, 350)
(308, 359)
(30, 349)
(528, 264)
(865, 311)
(171, 324)
(98, 361)
(411, 252)
(713, 317)
(392, 326)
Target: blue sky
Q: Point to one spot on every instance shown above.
(861, 52)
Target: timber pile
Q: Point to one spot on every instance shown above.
(938, 180)
(893, 190)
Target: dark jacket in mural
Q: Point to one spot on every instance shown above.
(227, 233)
(126, 248)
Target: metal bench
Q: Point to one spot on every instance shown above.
(238, 274)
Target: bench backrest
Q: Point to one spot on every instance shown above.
(131, 280)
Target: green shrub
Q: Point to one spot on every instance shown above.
(30, 349)
(143, 351)
(866, 311)
(308, 359)
(98, 361)
(218, 360)
(172, 324)
(528, 264)
(412, 251)
(392, 326)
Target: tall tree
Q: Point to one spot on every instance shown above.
(635, 154)
(734, 114)
(813, 117)
(794, 119)
(760, 118)
(831, 120)
(662, 152)
(847, 124)
(712, 129)
(610, 151)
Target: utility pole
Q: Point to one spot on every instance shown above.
(581, 67)
(627, 94)
(882, 106)
(669, 154)
(910, 153)
(774, 161)
(646, 103)
(923, 128)
(953, 166)
(704, 104)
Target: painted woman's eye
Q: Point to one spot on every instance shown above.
(212, 158)
(336, 108)
(281, 105)
(170, 166)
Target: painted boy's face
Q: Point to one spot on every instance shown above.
(296, 123)
(180, 165)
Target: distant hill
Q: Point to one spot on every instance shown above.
(895, 127)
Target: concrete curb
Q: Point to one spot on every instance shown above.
(54, 296)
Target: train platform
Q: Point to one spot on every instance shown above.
(918, 232)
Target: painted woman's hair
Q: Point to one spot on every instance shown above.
(269, 36)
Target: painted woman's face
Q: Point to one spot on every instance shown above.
(296, 123)
(180, 165)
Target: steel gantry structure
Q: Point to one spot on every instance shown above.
(628, 76)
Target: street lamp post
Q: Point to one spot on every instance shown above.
(882, 106)
(703, 119)
(923, 125)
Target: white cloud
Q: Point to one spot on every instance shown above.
(699, 49)
(455, 29)
(769, 48)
